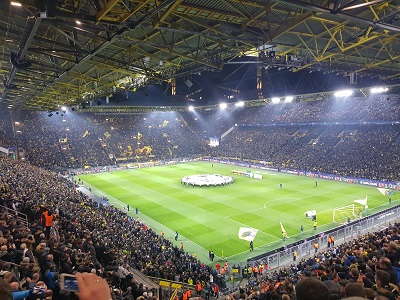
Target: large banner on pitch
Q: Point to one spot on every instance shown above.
(246, 233)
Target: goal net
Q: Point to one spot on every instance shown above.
(344, 214)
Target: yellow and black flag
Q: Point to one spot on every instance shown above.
(86, 133)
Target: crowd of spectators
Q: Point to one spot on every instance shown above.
(77, 140)
(354, 136)
(102, 240)
(364, 151)
(89, 238)
(350, 109)
(6, 131)
(336, 136)
(366, 267)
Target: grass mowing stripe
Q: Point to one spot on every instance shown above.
(211, 216)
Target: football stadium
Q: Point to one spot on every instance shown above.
(210, 217)
(198, 149)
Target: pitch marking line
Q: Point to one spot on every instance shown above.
(251, 227)
(275, 202)
(114, 200)
(159, 224)
(180, 236)
(241, 213)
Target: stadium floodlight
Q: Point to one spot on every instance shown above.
(63, 108)
(223, 105)
(191, 108)
(288, 99)
(343, 93)
(239, 104)
(15, 3)
(275, 100)
(377, 90)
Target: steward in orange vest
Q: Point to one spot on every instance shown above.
(198, 288)
(216, 291)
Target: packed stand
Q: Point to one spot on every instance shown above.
(89, 238)
(6, 131)
(367, 268)
(364, 151)
(86, 140)
(354, 136)
(348, 110)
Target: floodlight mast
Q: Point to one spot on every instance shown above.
(343, 93)
(378, 90)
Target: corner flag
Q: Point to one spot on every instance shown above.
(246, 233)
(362, 201)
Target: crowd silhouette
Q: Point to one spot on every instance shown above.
(69, 232)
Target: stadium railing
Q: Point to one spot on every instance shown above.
(21, 218)
(284, 256)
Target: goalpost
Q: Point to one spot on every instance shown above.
(342, 214)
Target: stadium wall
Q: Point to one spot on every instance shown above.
(245, 164)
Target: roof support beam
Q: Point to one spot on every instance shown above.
(105, 10)
(26, 40)
(317, 8)
(318, 59)
(296, 21)
(209, 35)
(394, 58)
(349, 5)
(116, 37)
(167, 13)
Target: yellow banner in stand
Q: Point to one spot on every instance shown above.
(164, 283)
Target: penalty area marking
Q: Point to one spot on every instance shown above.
(243, 212)
(275, 202)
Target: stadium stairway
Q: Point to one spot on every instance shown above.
(92, 195)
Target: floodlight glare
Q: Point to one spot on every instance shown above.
(191, 108)
(239, 104)
(288, 99)
(63, 108)
(275, 100)
(223, 105)
(343, 93)
(14, 3)
(377, 90)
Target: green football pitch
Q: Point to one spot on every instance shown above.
(209, 218)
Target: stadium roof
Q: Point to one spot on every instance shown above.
(62, 51)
